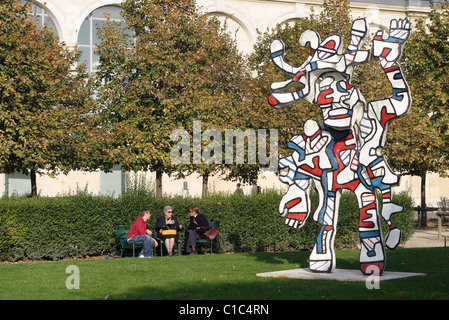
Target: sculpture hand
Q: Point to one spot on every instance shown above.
(391, 47)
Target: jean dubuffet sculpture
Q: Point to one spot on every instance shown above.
(343, 150)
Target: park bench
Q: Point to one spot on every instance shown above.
(441, 214)
(212, 224)
(122, 233)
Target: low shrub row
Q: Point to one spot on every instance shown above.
(84, 224)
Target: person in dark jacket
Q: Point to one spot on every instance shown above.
(167, 228)
(198, 225)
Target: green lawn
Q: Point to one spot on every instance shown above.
(221, 276)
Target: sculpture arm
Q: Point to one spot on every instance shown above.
(389, 51)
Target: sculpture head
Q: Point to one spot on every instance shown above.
(325, 75)
(341, 103)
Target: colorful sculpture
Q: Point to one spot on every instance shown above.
(343, 151)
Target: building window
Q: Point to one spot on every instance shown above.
(40, 14)
(88, 38)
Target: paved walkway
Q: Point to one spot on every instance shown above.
(427, 237)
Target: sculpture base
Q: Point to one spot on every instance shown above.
(338, 274)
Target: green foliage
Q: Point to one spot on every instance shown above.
(182, 67)
(418, 142)
(84, 224)
(43, 99)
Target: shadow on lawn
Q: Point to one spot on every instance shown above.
(246, 286)
(259, 289)
(301, 258)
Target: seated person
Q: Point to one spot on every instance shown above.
(198, 225)
(139, 233)
(167, 228)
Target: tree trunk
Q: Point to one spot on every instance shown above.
(159, 183)
(33, 183)
(205, 181)
(423, 220)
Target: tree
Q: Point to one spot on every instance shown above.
(168, 67)
(418, 143)
(42, 97)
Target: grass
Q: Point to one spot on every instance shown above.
(222, 277)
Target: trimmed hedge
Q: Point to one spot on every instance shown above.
(57, 227)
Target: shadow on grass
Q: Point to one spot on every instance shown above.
(245, 285)
(300, 258)
(345, 258)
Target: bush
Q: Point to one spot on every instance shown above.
(58, 227)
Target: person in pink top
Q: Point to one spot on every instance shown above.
(139, 233)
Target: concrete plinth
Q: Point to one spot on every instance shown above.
(338, 274)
